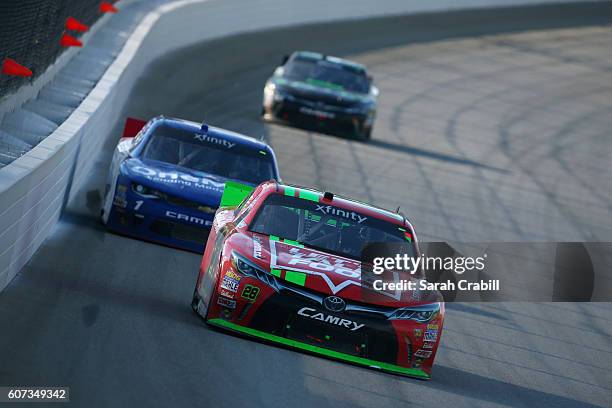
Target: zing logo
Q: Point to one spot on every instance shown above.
(351, 215)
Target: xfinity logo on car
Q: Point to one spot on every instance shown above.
(351, 215)
(183, 217)
(216, 140)
(313, 314)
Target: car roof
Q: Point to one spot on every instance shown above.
(353, 66)
(341, 202)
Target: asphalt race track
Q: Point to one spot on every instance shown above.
(492, 126)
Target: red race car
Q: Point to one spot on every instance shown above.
(283, 264)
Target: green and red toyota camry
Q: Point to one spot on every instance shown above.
(284, 264)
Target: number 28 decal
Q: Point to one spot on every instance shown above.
(250, 292)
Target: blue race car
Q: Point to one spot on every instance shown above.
(167, 177)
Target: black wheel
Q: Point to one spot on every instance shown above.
(198, 305)
(195, 300)
(363, 135)
(367, 134)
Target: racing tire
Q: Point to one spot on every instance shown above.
(198, 306)
(364, 135)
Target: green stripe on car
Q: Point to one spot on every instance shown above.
(413, 372)
(309, 195)
(298, 278)
(290, 191)
(294, 243)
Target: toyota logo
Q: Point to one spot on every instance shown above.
(334, 304)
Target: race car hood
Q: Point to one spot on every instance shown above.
(178, 181)
(320, 92)
(319, 271)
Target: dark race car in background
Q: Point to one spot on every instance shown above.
(326, 93)
(165, 184)
(285, 266)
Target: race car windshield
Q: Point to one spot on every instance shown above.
(325, 227)
(215, 156)
(326, 74)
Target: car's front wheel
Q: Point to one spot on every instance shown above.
(198, 305)
(364, 134)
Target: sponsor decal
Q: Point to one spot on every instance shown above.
(313, 314)
(172, 177)
(418, 332)
(423, 353)
(431, 335)
(226, 293)
(285, 256)
(120, 198)
(256, 247)
(250, 293)
(119, 202)
(187, 218)
(229, 303)
(339, 212)
(215, 140)
(230, 283)
(432, 326)
(428, 345)
(316, 112)
(233, 275)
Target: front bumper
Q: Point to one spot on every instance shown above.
(318, 118)
(159, 222)
(290, 314)
(386, 367)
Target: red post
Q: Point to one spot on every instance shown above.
(106, 7)
(75, 25)
(11, 67)
(70, 41)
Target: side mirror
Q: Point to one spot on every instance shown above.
(374, 91)
(285, 59)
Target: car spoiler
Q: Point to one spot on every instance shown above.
(234, 193)
(132, 127)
